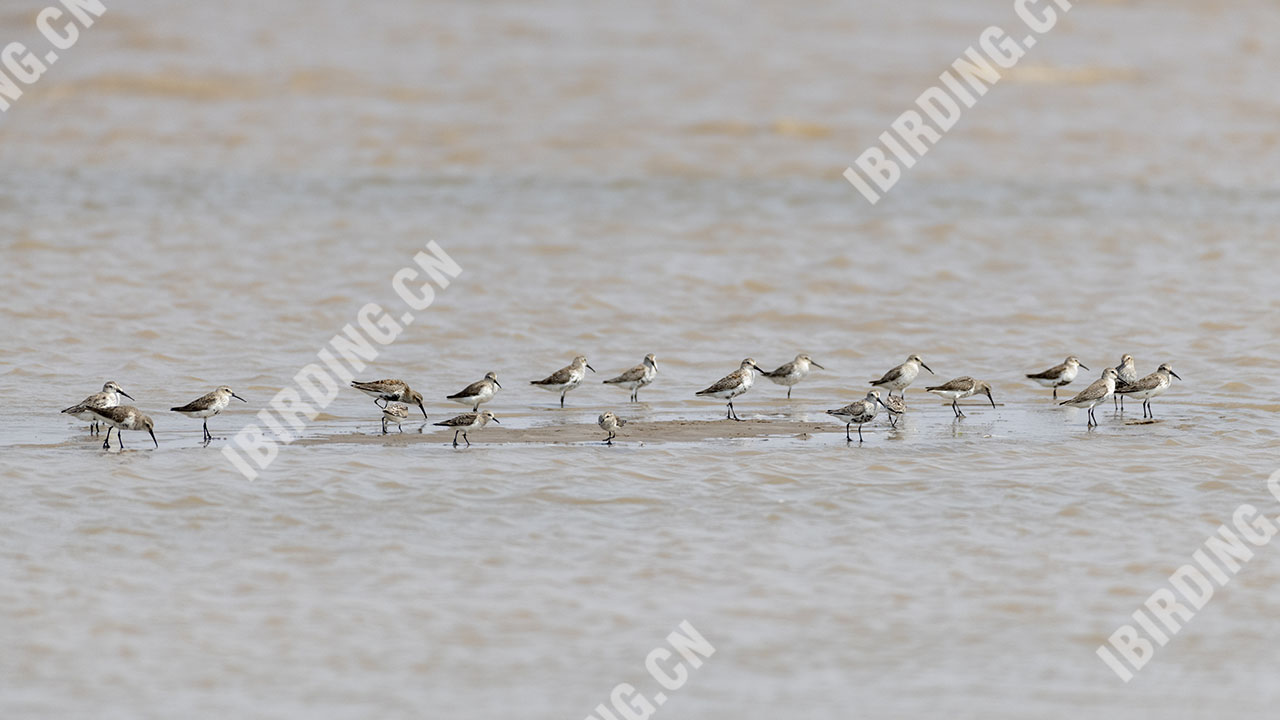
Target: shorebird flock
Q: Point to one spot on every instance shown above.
(393, 397)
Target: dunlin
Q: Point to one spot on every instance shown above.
(1059, 375)
(793, 372)
(208, 405)
(390, 391)
(734, 384)
(896, 406)
(1126, 374)
(566, 378)
(1096, 393)
(1149, 387)
(396, 413)
(637, 377)
(124, 417)
(108, 398)
(858, 413)
(610, 423)
(467, 421)
(480, 391)
(959, 389)
(901, 377)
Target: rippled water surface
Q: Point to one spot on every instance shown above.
(204, 194)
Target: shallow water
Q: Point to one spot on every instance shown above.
(202, 195)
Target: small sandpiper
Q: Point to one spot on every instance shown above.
(637, 377)
(390, 391)
(858, 413)
(1126, 374)
(208, 405)
(896, 406)
(108, 398)
(610, 423)
(480, 391)
(959, 389)
(566, 378)
(467, 421)
(1096, 393)
(124, 417)
(396, 413)
(734, 384)
(793, 372)
(1149, 387)
(901, 377)
(1060, 375)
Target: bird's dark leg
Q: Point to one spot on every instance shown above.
(465, 439)
(207, 436)
(106, 443)
(1151, 412)
(455, 437)
(400, 428)
(384, 426)
(846, 433)
(561, 399)
(1055, 392)
(788, 392)
(120, 438)
(859, 432)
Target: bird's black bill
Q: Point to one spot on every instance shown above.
(126, 394)
(496, 420)
(153, 437)
(1086, 367)
(993, 400)
(495, 382)
(239, 398)
(590, 368)
(816, 365)
(1174, 374)
(424, 411)
(926, 367)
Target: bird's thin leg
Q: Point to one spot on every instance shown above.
(846, 433)
(384, 426)
(106, 443)
(120, 438)
(788, 393)
(400, 428)
(561, 402)
(1055, 392)
(455, 437)
(859, 432)
(1150, 410)
(465, 439)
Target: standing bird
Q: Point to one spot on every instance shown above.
(896, 406)
(637, 377)
(610, 423)
(902, 376)
(124, 417)
(793, 372)
(734, 384)
(566, 378)
(390, 391)
(1096, 393)
(396, 413)
(1149, 387)
(108, 398)
(1059, 375)
(208, 405)
(1126, 375)
(859, 412)
(467, 421)
(960, 388)
(480, 391)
